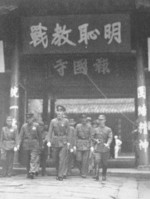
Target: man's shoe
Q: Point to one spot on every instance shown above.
(97, 178)
(59, 178)
(83, 176)
(31, 176)
(28, 176)
(103, 178)
(43, 172)
(94, 177)
(64, 177)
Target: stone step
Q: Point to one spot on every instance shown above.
(121, 162)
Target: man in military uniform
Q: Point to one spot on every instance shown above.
(31, 141)
(102, 138)
(8, 144)
(83, 134)
(58, 140)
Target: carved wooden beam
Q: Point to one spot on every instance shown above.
(7, 6)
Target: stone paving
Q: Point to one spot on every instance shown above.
(18, 187)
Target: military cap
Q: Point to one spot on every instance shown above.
(89, 119)
(101, 117)
(29, 115)
(60, 108)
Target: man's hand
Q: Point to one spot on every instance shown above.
(107, 145)
(74, 148)
(48, 144)
(97, 141)
(71, 150)
(15, 149)
(92, 149)
(68, 145)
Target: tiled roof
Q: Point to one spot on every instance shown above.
(98, 105)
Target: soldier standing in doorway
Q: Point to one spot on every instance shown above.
(102, 138)
(58, 140)
(83, 134)
(31, 141)
(8, 144)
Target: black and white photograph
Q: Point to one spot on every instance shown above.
(74, 99)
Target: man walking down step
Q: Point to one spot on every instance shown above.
(102, 138)
(58, 140)
(83, 133)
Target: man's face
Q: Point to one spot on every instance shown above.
(84, 120)
(102, 122)
(9, 122)
(30, 120)
(60, 113)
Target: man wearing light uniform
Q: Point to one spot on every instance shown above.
(102, 138)
(83, 133)
(58, 140)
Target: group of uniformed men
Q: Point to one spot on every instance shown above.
(87, 143)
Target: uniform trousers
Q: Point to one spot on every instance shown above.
(60, 155)
(69, 163)
(33, 161)
(7, 157)
(43, 158)
(101, 160)
(82, 158)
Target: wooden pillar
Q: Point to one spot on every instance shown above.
(14, 88)
(52, 107)
(45, 106)
(142, 106)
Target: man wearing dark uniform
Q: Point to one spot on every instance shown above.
(102, 138)
(31, 141)
(58, 140)
(83, 134)
(8, 144)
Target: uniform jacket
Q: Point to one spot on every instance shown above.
(30, 136)
(9, 138)
(83, 134)
(58, 132)
(104, 136)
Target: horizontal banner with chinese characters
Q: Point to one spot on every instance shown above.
(76, 34)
